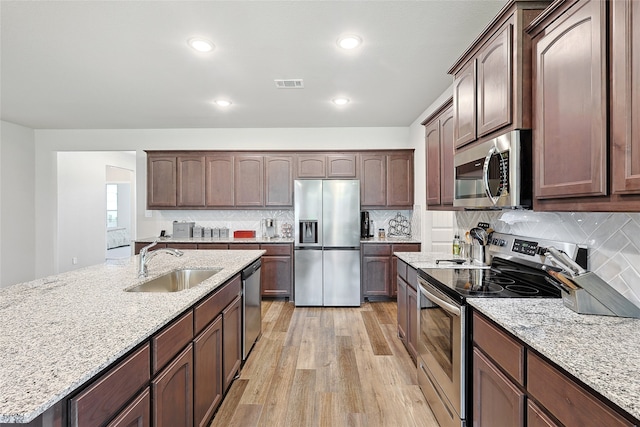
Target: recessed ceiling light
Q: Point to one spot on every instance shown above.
(222, 102)
(340, 101)
(350, 41)
(201, 45)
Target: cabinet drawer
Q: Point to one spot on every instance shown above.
(216, 246)
(277, 249)
(182, 245)
(569, 402)
(376, 249)
(244, 246)
(405, 247)
(207, 310)
(167, 343)
(412, 278)
(105, 396)
(503, 349)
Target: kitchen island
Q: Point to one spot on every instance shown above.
(61, 331)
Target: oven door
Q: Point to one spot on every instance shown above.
(441, 354)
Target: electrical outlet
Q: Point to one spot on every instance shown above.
(74, 260)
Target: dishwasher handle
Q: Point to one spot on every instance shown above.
(249, 271)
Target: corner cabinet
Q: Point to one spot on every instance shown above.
(386, 180)
(514, 386)
(586, 61)
(439, 157)
(492, 79)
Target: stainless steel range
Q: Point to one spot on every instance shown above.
(444, 322)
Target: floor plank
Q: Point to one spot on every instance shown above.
(327, 366)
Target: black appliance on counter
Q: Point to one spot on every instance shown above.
(366, 225)
(444, 320)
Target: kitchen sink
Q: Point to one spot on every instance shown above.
(176, 281)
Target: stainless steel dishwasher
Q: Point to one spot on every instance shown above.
(251, 307)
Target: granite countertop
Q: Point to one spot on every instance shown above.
(419, 260)
(390, 240)
(60, 331)
(212, 240)
(601, 351)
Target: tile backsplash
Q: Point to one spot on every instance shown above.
(612, 239)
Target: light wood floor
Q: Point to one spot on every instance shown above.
(326, 367)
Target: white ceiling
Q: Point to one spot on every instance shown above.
(126, 64)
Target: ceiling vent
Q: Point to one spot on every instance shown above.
(289, 83)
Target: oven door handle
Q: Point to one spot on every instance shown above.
(447, 306)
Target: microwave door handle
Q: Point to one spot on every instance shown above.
(452, 309)
(485, 174)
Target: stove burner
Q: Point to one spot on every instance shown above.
(499, 280)
(521, 289)
(485, 288)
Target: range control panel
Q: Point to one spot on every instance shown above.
(525, 247)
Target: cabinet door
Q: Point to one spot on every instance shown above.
(161, 181)
(494, 82)
(342, 165)
(373, 182)
(220, 180)
(276, 275)
(625, 101)
(537, 418)
(412, 322)
(207, 372)
(231, 341)
(311, 166)
(464, 105)
(446, 157)
(570, 137)
(249, 181)
(172, 392)
(402, 309)
(136, 414)
(432, 141)
(400, 180)
(191, 181)
(497, 402)
(278, 180)
(376, 275)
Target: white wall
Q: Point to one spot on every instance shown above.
(50, 142)
(17, 204)
(81, 205)
(437, 226)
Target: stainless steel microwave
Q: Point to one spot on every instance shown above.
(495, 174)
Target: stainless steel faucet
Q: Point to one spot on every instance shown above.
(145, 257)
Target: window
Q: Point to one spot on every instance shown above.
(112, 205)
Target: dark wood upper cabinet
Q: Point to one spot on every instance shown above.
(494, 82)
(625, 96)
(386, 180)
(492, 79)
(373, 180)
(191, 181)
(570, 137)
(439, 137)
(161, 181)
(220, 180)
(322, 165)
(278, 177)
(249, 180)
(464, 104)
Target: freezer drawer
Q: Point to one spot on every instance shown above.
(341, 277)
(308, 277)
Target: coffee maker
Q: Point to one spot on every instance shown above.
(366, 227)
(269, 228)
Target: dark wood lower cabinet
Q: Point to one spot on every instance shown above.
(497, 401)
(412, 322)
(376, 275)
(172, 392)
(207, 375)
(232, 341)
(137, 414)
(537, 418)
(402, 310)
(276, 275)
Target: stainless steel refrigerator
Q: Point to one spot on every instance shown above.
(327, 242)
